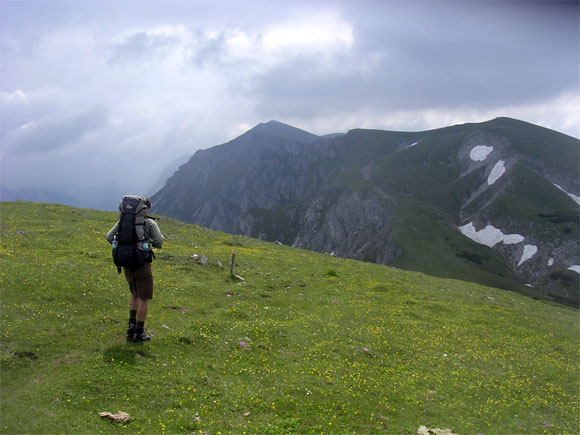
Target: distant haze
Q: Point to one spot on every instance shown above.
(99, 98)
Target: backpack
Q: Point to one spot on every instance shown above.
(130, 247)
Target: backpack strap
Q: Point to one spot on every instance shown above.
(140, 221)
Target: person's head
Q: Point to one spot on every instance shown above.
(147, 203)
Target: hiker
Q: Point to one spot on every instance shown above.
(131, 238)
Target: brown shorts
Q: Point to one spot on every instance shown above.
(140, 281)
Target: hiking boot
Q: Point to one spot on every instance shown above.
(139, 338)
(130, 331)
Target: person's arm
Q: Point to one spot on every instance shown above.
(155, 235)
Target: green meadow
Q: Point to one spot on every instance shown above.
(305, 343)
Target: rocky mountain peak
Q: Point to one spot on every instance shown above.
(279, 130)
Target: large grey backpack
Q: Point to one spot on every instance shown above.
(131, 249)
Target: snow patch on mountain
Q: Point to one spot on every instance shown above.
(412, 145)
(489, 236)
(575, 268)
(574, 197)
(480, 153)
(497, 171)
(512, 239)
(529, 252)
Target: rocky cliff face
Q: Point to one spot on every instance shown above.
(257, 170)
(494, 201)
(355, 225)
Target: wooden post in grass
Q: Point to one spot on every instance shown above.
(232, 265)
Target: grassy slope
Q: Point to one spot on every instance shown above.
(445, 252)
(336, 345)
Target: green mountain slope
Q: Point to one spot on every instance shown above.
(330, 345)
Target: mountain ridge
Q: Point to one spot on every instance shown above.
(393, 197)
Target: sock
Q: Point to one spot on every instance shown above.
(132, 317)
(140, 328)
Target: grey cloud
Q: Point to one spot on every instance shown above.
(19, 107)
(488, 51)
(420, 56)
(208, 50)
(140, 46)
(52, 133)
(211, 53)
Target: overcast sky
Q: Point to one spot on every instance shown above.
(98, 97)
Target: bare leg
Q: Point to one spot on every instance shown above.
(142, 306)
(139, 336)
(134, 303)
